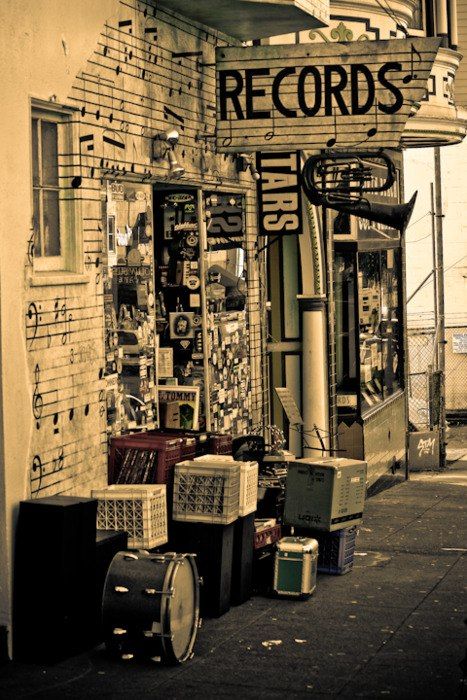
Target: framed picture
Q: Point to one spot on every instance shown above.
(187, 398)
(181, 324)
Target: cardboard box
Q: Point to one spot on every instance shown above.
(325, 494)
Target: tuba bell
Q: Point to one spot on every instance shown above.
(341, 181)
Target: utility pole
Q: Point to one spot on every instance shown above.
(441, 329)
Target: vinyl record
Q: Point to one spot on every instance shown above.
(191, 240)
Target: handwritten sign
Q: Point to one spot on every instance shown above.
(289, 405)
(279, 193)
(313, 96)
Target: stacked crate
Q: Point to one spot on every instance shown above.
(140, 510)
(267, 534)
(217, 497)
(325, 500)
(143, 458)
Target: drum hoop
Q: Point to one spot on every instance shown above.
(167, 608)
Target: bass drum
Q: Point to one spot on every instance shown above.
(150, 606)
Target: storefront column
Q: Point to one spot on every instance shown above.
(315, 390)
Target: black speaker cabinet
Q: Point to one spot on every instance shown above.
(213, 546)
(242, 564)
(54, 585)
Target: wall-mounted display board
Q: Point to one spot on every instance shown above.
(191, 273)
(315, 96)
(129, 307)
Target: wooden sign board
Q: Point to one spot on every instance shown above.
(289, 405)
(315, 96)
(279, 193)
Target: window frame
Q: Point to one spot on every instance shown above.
(69, 265)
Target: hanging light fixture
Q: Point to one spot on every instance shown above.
(163, 145)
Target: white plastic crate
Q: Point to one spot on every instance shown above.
(140, 510)
(206, 492)
(248, 480)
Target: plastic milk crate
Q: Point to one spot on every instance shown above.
(206, 492)
(336, 550)
(139, 510)
(248, 480)
(165, 453)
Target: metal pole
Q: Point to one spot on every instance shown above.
(435, 271)
(440, 303)
(203, 246)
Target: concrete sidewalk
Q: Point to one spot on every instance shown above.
(393, 627)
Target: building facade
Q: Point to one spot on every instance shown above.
(130, 257)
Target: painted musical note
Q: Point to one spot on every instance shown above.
(227, 140)
(332, 141)
(412, 76)
(126, 23)
(269, 135)
(372, 131)
(98, 110)
(113, 140)
(37, 400)
(62, 318)
(170, 113)
(151, 32)
(88, 139)
(58, 462)
(36, 466)
(33, 314)
(31, 248)
(83, 108)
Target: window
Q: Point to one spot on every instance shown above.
(372, 338)
(379, 310)
(57, 237)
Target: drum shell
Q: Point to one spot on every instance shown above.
(139, 611)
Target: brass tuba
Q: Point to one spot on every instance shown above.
(342, 180)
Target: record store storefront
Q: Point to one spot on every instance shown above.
(177, 341)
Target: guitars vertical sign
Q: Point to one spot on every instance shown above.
(315, 96)
(279, 193)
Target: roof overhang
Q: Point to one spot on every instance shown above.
(254, 19)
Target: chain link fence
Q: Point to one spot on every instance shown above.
(422, 348)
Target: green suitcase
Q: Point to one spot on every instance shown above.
(295, 566)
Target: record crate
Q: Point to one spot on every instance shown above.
(336, 550)
(248, 480)
(206, 442)
(143, 458)
(267, 532)
(140, 510)
(189, 442)
(206, 492)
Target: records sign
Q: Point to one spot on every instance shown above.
(315, 96)
(279, 193)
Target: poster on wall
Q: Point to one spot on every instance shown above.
(187, 398)
(314, 96)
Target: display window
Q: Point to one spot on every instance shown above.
(201, 317)
(368, 327)
(129, 307)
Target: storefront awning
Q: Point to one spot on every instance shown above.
(255, 19)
